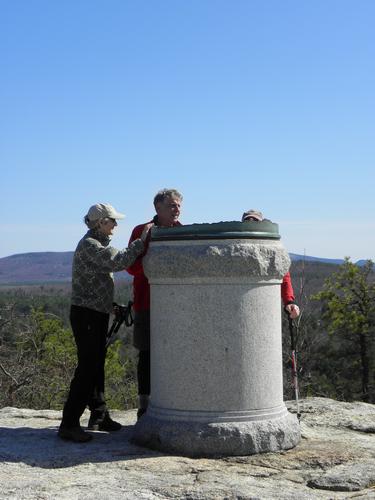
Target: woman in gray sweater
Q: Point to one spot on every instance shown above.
(92, 296)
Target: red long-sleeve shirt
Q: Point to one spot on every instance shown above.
(287, 293)
(141, 286)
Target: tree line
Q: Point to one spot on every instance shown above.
(335, 333)
(335, 340)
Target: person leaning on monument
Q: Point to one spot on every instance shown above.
(91, 304)
(167, 203)
(287, 292)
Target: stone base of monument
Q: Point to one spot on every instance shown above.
(201, 434)
(216, 350)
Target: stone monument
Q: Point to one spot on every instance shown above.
(216, 354)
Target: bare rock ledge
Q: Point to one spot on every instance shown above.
(335, 459)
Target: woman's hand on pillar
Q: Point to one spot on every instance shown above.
(146, 231)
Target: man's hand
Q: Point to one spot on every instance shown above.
(292, 310)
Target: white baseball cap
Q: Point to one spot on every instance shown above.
(102, 210)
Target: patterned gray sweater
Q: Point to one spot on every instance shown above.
(93, 265)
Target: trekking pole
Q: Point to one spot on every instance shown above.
(117, 322)
(294, 364)
(122, 314)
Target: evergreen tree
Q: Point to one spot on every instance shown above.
(348, 299)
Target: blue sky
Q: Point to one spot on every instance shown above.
(238, 104)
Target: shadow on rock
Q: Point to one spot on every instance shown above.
(43, 448)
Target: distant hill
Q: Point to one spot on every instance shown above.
(56, 267)
(308, 258)
(40, 267)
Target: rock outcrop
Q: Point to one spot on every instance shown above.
(335, 459)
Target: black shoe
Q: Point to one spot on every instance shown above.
(103, 424)
(140, 412)
(75, 434)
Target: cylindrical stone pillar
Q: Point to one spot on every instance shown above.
(216, 355)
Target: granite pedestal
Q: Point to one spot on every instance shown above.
(216, 355)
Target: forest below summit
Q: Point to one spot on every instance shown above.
(335, 340)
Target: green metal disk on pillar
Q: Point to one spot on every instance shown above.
(218, 230)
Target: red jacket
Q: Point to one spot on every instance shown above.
(287, 293)
(141, 286)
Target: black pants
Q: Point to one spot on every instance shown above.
(141, 340)
(143, 372)
(87, 387)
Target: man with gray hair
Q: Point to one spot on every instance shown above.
(167, 203)
(287, 292)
